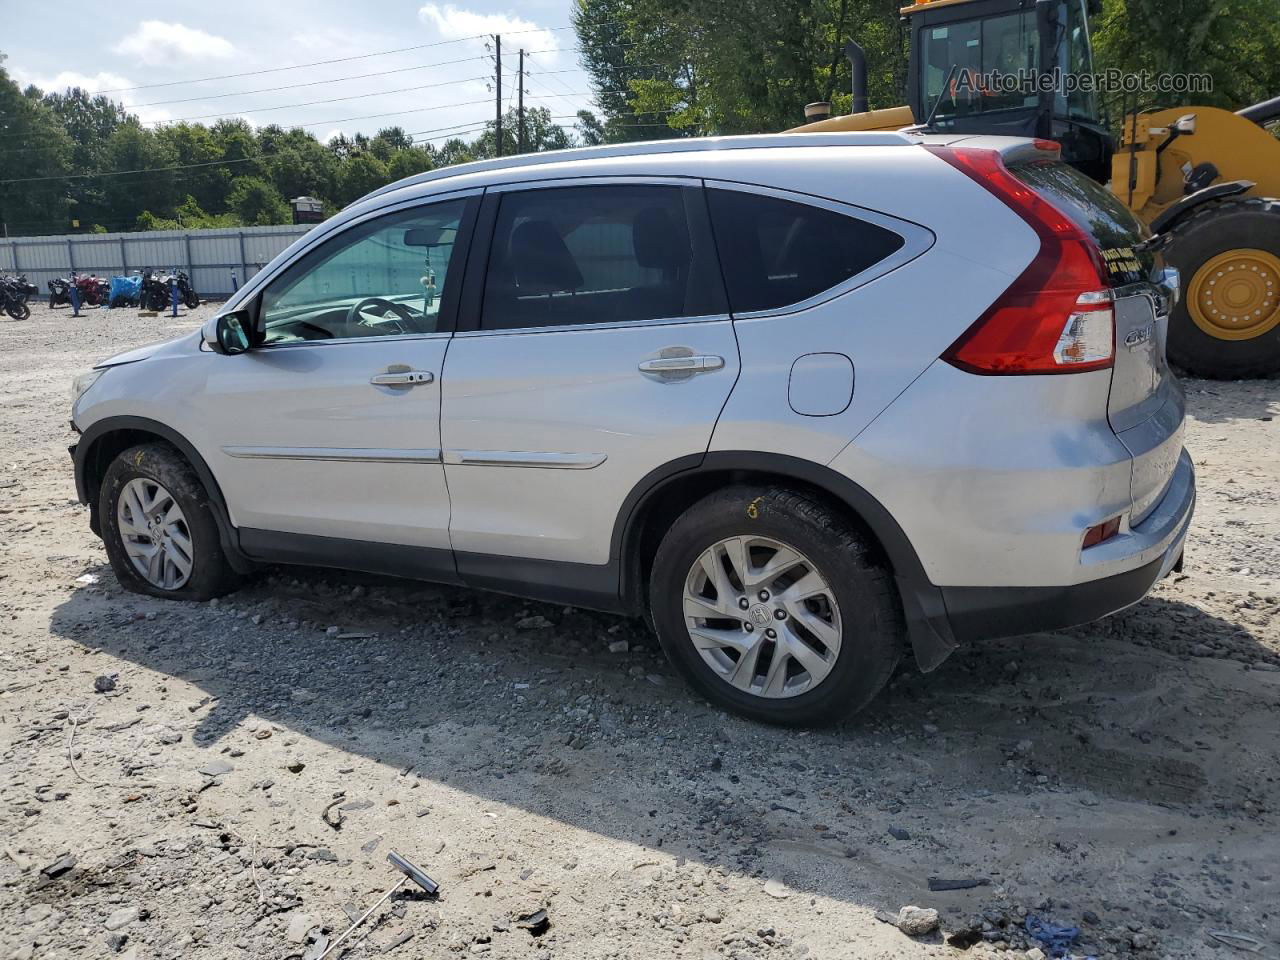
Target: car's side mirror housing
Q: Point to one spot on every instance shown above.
(228, 333)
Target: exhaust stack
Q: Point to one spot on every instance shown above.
(858, 61)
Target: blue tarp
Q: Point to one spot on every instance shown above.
(125, 291)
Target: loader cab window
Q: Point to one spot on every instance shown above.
(1075, 55)
(1007, 45)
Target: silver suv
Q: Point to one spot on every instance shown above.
(804, 401)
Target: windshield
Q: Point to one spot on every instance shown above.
(984, 65)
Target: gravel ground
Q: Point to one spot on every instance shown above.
(1119, 777)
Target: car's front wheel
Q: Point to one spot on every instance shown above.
(158, 527)
(769, 603)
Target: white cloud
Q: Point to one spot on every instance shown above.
(96, 83)
(454, 23)
(157, 43)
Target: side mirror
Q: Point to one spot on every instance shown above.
(228, 333)
(1185, 125)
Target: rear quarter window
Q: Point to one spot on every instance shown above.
(778, 252)
(1096, 210)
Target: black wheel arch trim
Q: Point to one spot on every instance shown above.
(84, 450)
(1181, 208)
(928, 626)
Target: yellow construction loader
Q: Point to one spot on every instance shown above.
(1205, 180)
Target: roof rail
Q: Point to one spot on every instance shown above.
(646, 147)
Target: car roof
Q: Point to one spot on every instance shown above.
(641, 148)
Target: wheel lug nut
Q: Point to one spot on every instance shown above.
(780, 614)
(748, 627)
(764, 595)
(744, 603)
(771, 633)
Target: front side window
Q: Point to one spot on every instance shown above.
(384, 277)
(777, 252)
(598, 254)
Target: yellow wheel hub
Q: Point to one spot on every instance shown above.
(1236, 295)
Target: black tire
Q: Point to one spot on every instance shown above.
(873, 634)
(53, 301)
(191, 300)
(211, 575)
(17, 309)
(1250, 223)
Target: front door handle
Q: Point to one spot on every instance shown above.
(701, 364)
(402, 378)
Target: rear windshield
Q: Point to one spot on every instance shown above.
(1097, 210)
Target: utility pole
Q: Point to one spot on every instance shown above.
(497, 132)
(520, 102)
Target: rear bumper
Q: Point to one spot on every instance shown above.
(976, 613)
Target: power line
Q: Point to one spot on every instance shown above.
(296, 66)
(362, 56)
(312, 103)
(309, 83)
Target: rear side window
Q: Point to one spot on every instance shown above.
(599, 254)
(776, 252)
(1097, 211)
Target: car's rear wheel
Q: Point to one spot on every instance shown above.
(158, 527)
(769, 604)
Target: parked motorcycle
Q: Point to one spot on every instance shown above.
(186, 292)
(59, 292)
(155, 291)
(14, 297)
(93, 289)
(25, 287)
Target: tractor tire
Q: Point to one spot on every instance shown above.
(1226, 324)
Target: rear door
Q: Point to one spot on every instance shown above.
(1146, 405)
(599, 349)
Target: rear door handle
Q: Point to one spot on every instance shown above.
(701, 364)
(402, 378)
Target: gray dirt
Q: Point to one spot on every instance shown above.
(1119, 776)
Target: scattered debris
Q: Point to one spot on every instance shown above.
(776, 889)
(122, 917)
(537, 922)
(917, 921)
(1057, 940)
(411, 872)
(63, 864)
(216, 768)
(105, 683)
(533, 623)
(898, 833)
(334, 817)
(937, 884)
(1240, 941)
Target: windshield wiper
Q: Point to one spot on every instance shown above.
(946, 84)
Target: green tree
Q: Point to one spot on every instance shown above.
(257, 202)
(359, 174)
(33, 144)
(132, 153)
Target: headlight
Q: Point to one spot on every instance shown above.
(82, 383)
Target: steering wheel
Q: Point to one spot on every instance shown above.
(404, 317)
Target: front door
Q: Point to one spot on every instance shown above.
(328, 430)
(601, 350)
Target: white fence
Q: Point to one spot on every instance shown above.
(209, 256)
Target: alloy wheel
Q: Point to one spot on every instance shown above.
(155, 534)
(762, 616)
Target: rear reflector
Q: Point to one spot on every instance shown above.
(1057, 316)
(1103, 531)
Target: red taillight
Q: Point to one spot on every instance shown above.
(1057, 316)
(1103, 531)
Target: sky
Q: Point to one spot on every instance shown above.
(178, 60)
